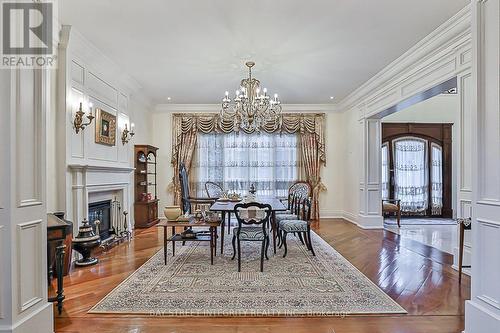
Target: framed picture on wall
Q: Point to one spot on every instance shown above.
(105, 128)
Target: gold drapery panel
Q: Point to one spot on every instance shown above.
(185, 126)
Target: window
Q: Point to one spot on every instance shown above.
(235, 161)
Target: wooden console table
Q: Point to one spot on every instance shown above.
(211, 237)
(56, 234)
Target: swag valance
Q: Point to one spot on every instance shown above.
(309, 126)
(312, 123)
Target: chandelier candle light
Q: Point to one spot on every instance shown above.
(251, 107)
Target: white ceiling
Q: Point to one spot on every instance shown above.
(307, 51)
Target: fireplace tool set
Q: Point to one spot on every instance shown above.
(118, 229)
(89, 238)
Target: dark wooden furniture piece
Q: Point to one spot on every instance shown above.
(146, 194)
(440, 134)
(392, 206)
(298, 189)
(300, 226)
(56, 249)
(211, 237)
(464, 224)
(252, 227)
(228, 207)
(189, 202)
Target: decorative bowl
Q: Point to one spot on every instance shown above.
(172, 212)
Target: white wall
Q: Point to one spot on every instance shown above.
(331, 201)
(438, 109)
(85, 74)
(440, 56)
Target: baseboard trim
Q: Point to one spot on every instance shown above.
(350, 217)
(41, 320)
(480, 319)
(370, 222)
(330, 214)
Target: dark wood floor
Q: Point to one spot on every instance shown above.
(418, 277)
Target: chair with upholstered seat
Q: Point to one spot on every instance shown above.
(293, 209)
(252, 220)
(392, 206)
(300, 227)
(299, 188)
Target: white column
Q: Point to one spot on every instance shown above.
(463, 161)
(370, 206)
(482, 312)
(23, 221)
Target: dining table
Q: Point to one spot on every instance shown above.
(225, 207)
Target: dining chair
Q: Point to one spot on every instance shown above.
(301, 227)
(299, 188)
(252, 220)
(187, 200)
(213, 190)
(293, 209)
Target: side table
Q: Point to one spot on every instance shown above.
(211, 237)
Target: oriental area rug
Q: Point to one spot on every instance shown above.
(298, 285)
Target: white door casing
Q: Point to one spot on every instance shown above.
(23, 257)
(482, 312)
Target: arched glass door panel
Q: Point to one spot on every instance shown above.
(411, 175)
(436, 179)
(385, 171)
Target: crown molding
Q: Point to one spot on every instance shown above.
(81, 49)
(186, 108)
(454, 33)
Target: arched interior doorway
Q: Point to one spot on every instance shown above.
(417, 167)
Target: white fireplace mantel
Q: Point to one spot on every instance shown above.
(88, 180)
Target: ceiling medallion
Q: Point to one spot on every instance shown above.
(251, 107)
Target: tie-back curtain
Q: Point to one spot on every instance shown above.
(310, 127)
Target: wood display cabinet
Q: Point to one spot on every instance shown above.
(146, 194)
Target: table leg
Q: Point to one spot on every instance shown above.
(273, 226)
(59, 267)
(228, 223)
(460, 253)
(211, 245)
(222, 226)
(173, 242)
(215, 241)
(165, 244)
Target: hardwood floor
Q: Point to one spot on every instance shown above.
(418, 277)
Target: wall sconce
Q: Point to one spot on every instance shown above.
(126, 134)
(78, 121)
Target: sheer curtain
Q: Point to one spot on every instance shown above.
(437, 179)
(237, 160)
(385, 171)
(411, 174)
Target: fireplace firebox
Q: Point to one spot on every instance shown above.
(101, 211)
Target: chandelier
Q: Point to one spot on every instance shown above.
(251, 107)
